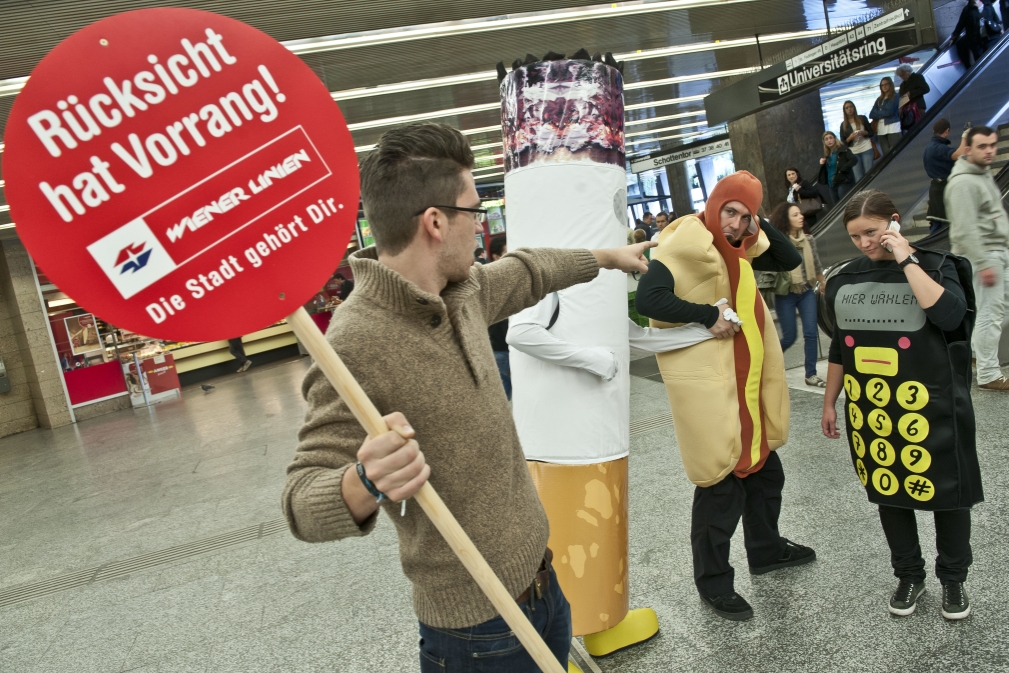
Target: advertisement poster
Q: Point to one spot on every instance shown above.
(157, 374)
(364, 237)
(496, 220)
(562, 111)
(83, 333)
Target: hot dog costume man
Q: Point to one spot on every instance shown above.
(909, 416)
(566, 187)
(728, 396)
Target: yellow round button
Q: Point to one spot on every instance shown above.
(913, 427)
(855, 416)
(882, 452)
(878, 391)
(915, 458)
(912, 395)
(884, 481)
(919, 487)
(863, 474)
(879, 422)
(858, 444)
(851, 388)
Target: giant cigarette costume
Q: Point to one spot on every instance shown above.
(566, 187)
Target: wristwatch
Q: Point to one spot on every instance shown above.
(910, 259)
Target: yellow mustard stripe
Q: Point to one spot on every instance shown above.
(746, 297)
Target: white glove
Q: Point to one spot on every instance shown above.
(728, 313)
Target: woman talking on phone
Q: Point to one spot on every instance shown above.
(902, 322)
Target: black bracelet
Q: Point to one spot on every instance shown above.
(368, 483)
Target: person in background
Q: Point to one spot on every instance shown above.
(991, 26)
(979, 231)
(937, 444)
(968, 47)
(344, 286)
(661, 220)
(939, 158)
(640, 236)
(236, 348)
(498, 332)
(787, 218)
(885, 115)
(799, 189)
(857, 135)
(836, 167)
(480, 256)
(913, 88)
(645, 224)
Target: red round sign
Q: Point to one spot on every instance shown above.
(180, 174)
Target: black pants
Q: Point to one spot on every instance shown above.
(236, 348)
(952, 541)
(936, 206)
(714, 518)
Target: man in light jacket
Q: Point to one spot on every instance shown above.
(979, 231)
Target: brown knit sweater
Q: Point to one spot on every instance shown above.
(429, 357)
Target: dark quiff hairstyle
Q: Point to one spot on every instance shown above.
(411, 168)
(497, 246)
(779, 218)
(979, 131)
(869, 203)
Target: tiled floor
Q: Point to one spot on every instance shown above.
(135, 483)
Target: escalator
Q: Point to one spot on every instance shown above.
(980, 96)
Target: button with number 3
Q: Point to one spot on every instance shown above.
(912, 395)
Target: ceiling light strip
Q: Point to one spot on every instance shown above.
(661, 103)
(647, 84)
(665, 128)
(483, 25)
(649, 120)
(640, 55)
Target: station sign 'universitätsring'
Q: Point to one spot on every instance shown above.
(882, 39)
(695, 151)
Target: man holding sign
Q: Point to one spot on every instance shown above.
(414, 334)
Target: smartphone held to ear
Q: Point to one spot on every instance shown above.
(893, 226)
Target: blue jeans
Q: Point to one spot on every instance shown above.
(864, 160)
(840, 191)
(491, 647)
(785, 305)
(504, 367)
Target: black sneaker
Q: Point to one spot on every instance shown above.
(729, 606)
(955, 604)
(905, 598)
(795, 555)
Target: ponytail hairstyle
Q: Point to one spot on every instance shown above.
(870, 203)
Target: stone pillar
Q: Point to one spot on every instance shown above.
(770, 141)
(679, 189)
(37, 397)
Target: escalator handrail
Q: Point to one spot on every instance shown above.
(925, 122)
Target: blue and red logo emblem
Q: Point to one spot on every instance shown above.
(133, 258)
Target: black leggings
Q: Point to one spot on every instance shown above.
(952, 541)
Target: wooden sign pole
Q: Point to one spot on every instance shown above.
(368, 416)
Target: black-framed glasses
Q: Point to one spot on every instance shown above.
(479, 214)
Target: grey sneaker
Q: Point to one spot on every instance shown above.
(905, 598)
(245, 366)
(955, 604)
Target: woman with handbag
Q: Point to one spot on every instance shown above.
(836, 167)
(913, 88)
(803, 194)
(857, 135)
(885, 116)
(991, 27)
(794, 289)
